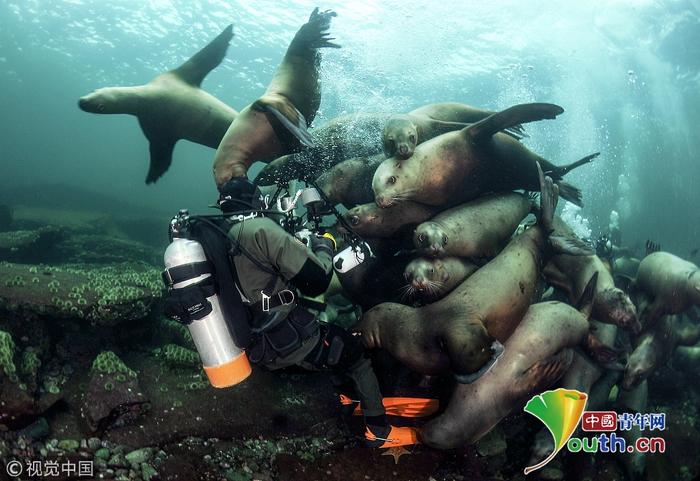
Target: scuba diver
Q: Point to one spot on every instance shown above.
(270, 268)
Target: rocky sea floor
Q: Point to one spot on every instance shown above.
(91, 371)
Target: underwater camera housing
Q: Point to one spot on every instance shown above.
(318, 205)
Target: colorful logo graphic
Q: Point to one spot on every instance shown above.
(560, 411)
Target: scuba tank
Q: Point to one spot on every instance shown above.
(194, 301)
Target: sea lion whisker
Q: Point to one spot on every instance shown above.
(406, 292)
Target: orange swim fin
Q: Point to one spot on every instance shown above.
(391, 437)
(407, 407)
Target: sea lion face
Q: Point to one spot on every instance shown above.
(430, 239)
(639, 366)
(101, 101)
(617, 308)
(360, 217)
(400, 137)
(391, 184)
(426, 277)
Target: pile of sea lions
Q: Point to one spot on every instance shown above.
(473, 275)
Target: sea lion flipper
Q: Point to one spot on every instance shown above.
(511, 117)
(161, 158)
(572, 246)
(543, 374)
(497, 350)
(585, 302)
(288, 115)
(561, 171)
(570, 192)
(599, 351)
(549, 197)
(200, 64)
(313, 35)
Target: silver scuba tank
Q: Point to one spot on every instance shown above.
(224, 362)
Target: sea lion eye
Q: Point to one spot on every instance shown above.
(444, 239)
(421, 238)
(432, 270)
(391, 180)
(354, 220)
(412, 138)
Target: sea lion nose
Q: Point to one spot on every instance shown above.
(381, 201)
(83, 103)
(419, 283)
(403, 149)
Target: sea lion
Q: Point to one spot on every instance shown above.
(479, 228)
(172, 106)
(624, 270)
(339, 139)
(582, 375)
(350, 182)
(402, 132)
(456, 332)
(378, 279)
(570, 273)
(276, 124)
(460, 166)
(368, 220)
(536, 355)
(686, 359)
(432, 279)
(359, 135)
(671, 285)
(655, 346)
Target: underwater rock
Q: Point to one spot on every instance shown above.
(29, 245)
(113, 396)
(103, 295)
(5, 217)
(105, 249)
(178, 356)
(17, 403)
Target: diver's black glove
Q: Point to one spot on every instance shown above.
(322, 243)
(239, 194)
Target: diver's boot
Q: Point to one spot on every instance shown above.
(389, 436)
(406, 407)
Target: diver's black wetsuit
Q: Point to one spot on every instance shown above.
(278, 265)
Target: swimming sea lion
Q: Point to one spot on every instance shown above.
(368, 220)
(456, 332)
(362, 135)
(402, 132)
(536, 355)
(479, 228)
(276, 123)
(671, 284)
(350, 182)
(570, 273)
(460, 166)
(655, 346)
(172, 106)
(432, 279)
